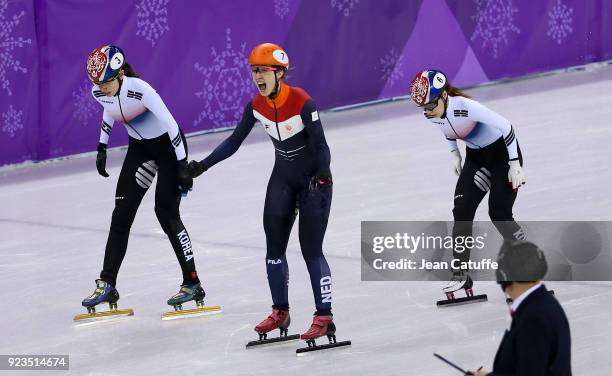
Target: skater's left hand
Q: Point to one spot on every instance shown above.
(515, 174)
(196, 168)
(185, 181)
(320, 181)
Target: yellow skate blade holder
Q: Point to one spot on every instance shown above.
(193, 312)
(84, 317)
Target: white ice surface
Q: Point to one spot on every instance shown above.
(388, 164)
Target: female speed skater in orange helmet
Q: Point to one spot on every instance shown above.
(301, 181)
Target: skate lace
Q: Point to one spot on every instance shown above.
(458, 277)
(185, 290)
(100, 287)
(320, 321)
(277, 316)
(454, 280)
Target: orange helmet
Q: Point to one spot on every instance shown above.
(269, 54)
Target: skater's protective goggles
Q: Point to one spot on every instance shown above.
(106, 82)
(258, 69)
(431, 105)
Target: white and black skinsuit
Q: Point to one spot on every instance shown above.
(490, 144)
(156, 144)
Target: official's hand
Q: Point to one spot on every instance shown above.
(101, 160)
(196, 168)
(515, 175)
(457, 162)
(320, 181)
(480, 373)
(185, 181)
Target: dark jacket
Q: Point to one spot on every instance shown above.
(538, 342)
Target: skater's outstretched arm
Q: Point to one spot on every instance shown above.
(229, 146)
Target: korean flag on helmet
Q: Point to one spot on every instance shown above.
(427, 86)
(104, 63)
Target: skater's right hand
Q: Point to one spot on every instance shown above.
(101, 160)
(457, 162)
(196, 168)
(320, 182)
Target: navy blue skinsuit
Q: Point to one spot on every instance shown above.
(292, 122)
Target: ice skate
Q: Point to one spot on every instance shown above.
(104, 293)
(322, 325)
(278, 319)
(186, 294)
(461, 280)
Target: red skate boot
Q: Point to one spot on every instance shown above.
(278, 319)
(322, 325)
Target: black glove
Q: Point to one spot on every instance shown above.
(185, 181)
(320, 182)
(101, 160)
(196, 168)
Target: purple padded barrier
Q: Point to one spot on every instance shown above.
(19, 80)
(195, 54)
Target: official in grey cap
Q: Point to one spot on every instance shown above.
(538, 341)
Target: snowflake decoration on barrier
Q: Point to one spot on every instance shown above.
(281, 8)
(12, 121)
(84, 105)
(8, 43)
(560, 22)
(344, 6)
(390, 66)
(494, 22)
(227, 85)
(152, 19)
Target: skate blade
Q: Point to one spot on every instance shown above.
(97, 316)
(271, 341)
(194, 312)
(460, 301)
(304, 350)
